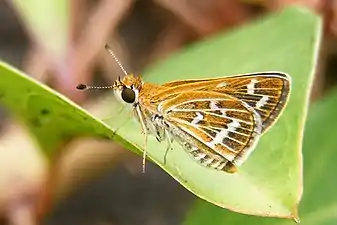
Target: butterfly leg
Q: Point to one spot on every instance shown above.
(144, 131)
(169, 146)
(106, 119)
(162, 133)
(144, 153)
(124, 122)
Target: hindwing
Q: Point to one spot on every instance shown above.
(217, 125)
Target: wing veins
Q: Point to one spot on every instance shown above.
(259, 95)
(264, 88)
(231, 118)
(228, 117)
(233, 139)
(191, 133)
(208, 110)
(199, 100)
(214, 130)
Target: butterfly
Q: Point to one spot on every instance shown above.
(217, 121)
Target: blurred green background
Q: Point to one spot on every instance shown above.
(90, 181)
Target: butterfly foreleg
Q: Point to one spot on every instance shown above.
(106, 120)
(162, 133)
(120, 110)
(169, 145)
(145, 129)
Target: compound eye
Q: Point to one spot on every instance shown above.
(128, 95)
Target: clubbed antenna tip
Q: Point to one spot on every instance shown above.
(87, 87)
(82, 87)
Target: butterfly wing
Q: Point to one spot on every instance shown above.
(218, 130)
(266, 92)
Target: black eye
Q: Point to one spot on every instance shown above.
(128, 95)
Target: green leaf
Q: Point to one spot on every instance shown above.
(319, 203)
(269, 183)
(51, 117)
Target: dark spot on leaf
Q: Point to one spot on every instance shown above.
(2, 94)
(45, 111)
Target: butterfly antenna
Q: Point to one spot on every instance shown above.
(107, 47)
(88, 87)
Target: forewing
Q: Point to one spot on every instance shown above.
(266, 92)
(216, 125)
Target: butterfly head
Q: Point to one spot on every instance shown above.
(127, 89)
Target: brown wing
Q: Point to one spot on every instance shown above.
(266, 92)
(213, 124)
